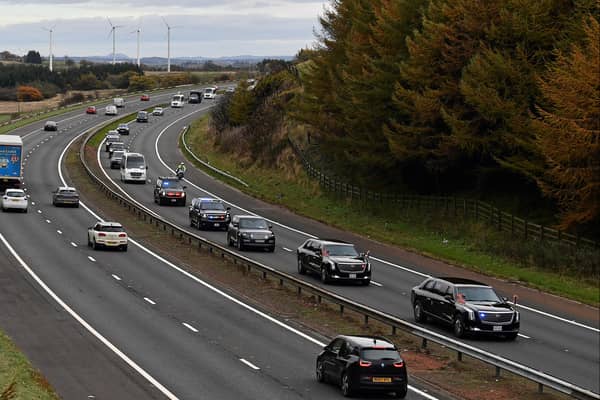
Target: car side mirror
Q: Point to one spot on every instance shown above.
(228, 208)
(505, 299)
(146, 167)
(184, 187)
(270, 226)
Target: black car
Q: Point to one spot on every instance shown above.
(142, 116)
(334, 260)
(363, 363)
(168, 190)
(50, 126)
(195, 97)
(123, 129)
(466, 305)
(206, 212)
(114, 146)
(250, 231)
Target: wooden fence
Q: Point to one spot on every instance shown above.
(459, 207)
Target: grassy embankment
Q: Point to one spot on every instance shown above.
(456, 241)
(17, 373)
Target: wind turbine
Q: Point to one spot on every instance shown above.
(51, 30)
(169, 27)
(138, 31)
(112, 32)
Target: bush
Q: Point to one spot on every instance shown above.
(8, 94)
(76, 97)
(47, 89)
(29, 93)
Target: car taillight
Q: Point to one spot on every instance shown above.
(102, 234)
(122, 235)
(399, 364)
(364, 363)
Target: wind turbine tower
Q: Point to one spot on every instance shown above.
(138, 31)
(112, 32)
(169, 27)
(50, 56)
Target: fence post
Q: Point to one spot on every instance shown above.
(476, 210)
(465, 208)
(525, 224)
(541, 233)
(512, 225)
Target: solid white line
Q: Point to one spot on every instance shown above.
(248, 363)
(150, 301)
(568, 321)
(73, 244)
(92, 259)
(191, 328)
(524, 336)
(59, 232)
(85, 324)
(376, 283)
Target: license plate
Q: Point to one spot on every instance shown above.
(381, 380)
(15, 200)
(111, 242)
(259, 241)
(497, 328)
(173, 200)
(217, 224)
(352, 276)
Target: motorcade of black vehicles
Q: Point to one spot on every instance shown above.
(195, 97)
(209, 213)
(363, 364)
(110, 139)
(116, 159)
(123, 129)
(50, 126)
(333, 260)
(142, 116)
(114, 146)
(250, 231)
(65, 196)
(470, 307)
(168, 190)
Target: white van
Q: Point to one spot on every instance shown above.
(119, 102)
(110, 110)
(210, 93)
(133, 168)
(177, 101)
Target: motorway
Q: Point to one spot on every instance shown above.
(551, 340)
(162, 332)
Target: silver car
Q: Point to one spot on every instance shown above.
(65, 196)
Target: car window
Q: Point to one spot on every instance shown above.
(169, 183)
(212, 205)
(379, 354)
(308, 245)
(344, 350)
(111, 229)
(479, 294)
(14, 193)
(341, 250)
(253, 223)
(135, 162)
(336, 345)
(441, 288)
(429, 285)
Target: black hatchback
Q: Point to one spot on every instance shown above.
(363, 363)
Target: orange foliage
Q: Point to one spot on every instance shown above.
(29, 93)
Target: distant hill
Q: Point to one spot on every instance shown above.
(158, 61)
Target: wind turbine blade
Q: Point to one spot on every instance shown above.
(110, 32)
(111, 24)
(165, 21)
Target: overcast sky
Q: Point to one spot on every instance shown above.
(209, 28)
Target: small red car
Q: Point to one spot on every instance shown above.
(91, 110)
(145, 97)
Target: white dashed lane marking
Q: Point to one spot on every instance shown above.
(376, 284)
(48, 221)
(92, 259)
(150, 301)
(191, 328)
(286, 249)
(248, 363)
(73, 244)
(524, 336)
(39, 211)
(59, 232)
(116, 277)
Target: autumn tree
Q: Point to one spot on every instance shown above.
(568, 131)
(29, 93)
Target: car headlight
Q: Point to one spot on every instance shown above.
(332, 266)
(162, 192)
(244, 234)
(471, 314)
(517, 316)
(203, 215)
(369, 267)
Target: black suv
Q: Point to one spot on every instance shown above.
(466, 305)
(361, 363)
(123, 129)
(250, 231)
(334, 260)
(206, 212)
(142, 116)
(168, 190)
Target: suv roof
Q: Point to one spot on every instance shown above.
(331, 241)
(369, 341)
(461, 281)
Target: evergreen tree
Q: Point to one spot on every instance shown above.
(33, 57)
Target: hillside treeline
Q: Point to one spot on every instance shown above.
(460, 96)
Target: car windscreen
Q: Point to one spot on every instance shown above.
(379, 354)
(253, 223)
(111, 229)
(112, 139)
(135, 162)
(118, 154)
(478, 294)
(341, 250)
(67, 191)
(15, 194)
(212, 205)
(209, 90)
(170, 183)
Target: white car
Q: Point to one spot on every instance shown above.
(177, 101)
(158, 111)
(110, 110)
(107, 234)
(15, 199)
(210, 93)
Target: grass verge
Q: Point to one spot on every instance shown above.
(453, 240)
(17, 376)
(436, 367)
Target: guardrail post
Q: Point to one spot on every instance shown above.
(341, 308)
(299, 291)
(366, 319)
(459, 356)
(424, 343)
(540, 388)
(319, 299)
(393, 330)
(498, 369)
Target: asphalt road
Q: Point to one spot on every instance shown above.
(132, 325)
(551, 340)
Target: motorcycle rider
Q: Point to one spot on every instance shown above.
(180, 170)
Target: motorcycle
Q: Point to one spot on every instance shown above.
(179, 174)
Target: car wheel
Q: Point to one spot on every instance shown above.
(240, 246)
(94, 244)
(77, 205)
(400, 394)
(229, 241)
(324, 275)
(512, 336)
(346, 387)
(271, 249)
(365, 282)
(25, 210)
(192, 223)
(459, 326)
(301, 269)
(320, 372)
(418, 312)
(124, 247)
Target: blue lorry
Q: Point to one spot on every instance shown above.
(11, 167)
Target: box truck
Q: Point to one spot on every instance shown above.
(11, 170)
